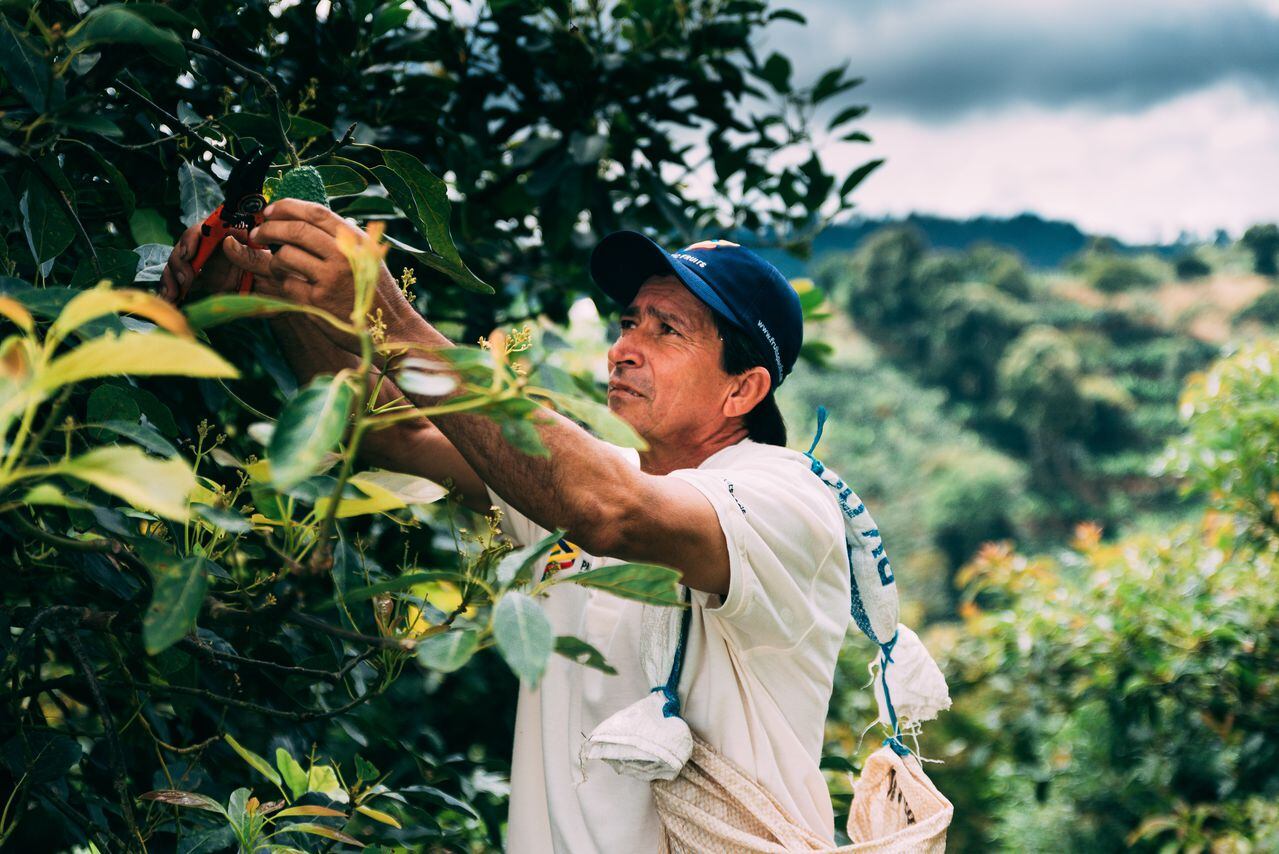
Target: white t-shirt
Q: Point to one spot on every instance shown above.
(758, 668)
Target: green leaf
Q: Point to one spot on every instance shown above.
(265, 128)
(523, 636)
(175, 603)
(520, 434)
(160, 486)
(216, 310)
(583, 653)
(237, 807)
(323, 779)
(365, 771)
(599, 419)
(28, 72)
(222, 518)
(45, 222)
(776, 72)
(146, 436)
(847, 115)
(136, 353)
(118, 266)
(117, 24)
(310, 426)
(199, 193)
(430, 212)
(517, 567)
(857, 176)
(257, 762)
(146, 225)
(389, 17)
(341, 181)
(655, 585)
(291, 772)
(50, 495)
(447, 652)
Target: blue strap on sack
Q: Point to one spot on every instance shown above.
(870, 574)
(671, 689)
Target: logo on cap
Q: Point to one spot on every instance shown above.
(709, 244)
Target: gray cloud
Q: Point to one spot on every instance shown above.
(941, 59)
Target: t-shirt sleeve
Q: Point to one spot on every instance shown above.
(780, 525)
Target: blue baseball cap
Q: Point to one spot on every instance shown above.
(733, 281)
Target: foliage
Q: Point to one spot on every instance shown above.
(1231, 445)
(1191, 266)
(1264, 309)
(1084, 395)
(1112, 274)
(1262, 240)
(198, 560)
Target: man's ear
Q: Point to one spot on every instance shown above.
(746, 391)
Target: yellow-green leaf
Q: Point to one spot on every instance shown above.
(259, 764)
(310, 426)
(17, 312)
(384, 490)
(378, 815)
(148, 483)
(138, 353)
(91, 304)
(311, 809)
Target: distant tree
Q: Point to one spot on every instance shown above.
(1191, 266)
(1263, 242)
(1113, 274)
(883, 289)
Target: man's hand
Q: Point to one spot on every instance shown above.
(307, 266)
(219, 276)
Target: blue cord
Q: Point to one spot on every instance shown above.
(670, 690)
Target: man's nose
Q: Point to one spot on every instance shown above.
(625, 351)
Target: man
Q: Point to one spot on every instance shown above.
(707, 335)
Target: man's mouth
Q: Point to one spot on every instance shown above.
(622, 389)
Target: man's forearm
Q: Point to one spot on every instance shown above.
(579, 487)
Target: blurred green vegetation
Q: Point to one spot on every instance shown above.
(1082, 500)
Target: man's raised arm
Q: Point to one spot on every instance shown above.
(607, 505)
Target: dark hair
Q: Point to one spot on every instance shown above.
(764, 423)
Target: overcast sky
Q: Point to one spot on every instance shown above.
(1128, 117)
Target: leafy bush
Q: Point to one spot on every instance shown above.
(197, 558)
(1264, 309)
(1191, 266)
(1115, 274)
(1123, 694)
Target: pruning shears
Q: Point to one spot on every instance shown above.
(241, 207)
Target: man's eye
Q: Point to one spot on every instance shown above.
(667, 328)
(626, 323)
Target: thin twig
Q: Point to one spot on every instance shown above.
(402, 644)
(310, 715)
(205, 651)
(213, 53)
(340, 143)
(177, 124)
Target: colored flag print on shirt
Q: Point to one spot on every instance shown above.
(562, 557)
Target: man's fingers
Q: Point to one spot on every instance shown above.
(287, 261)
(315, 214)
(301, 234)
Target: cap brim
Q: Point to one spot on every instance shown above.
(624, 260)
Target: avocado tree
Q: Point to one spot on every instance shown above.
(223, 629)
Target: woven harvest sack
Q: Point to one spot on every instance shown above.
(713, 807)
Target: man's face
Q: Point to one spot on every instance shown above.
(665, 375)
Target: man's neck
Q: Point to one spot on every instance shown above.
(687, 452)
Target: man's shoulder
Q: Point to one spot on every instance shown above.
(747, 455)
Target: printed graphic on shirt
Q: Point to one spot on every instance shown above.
(562, 557)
